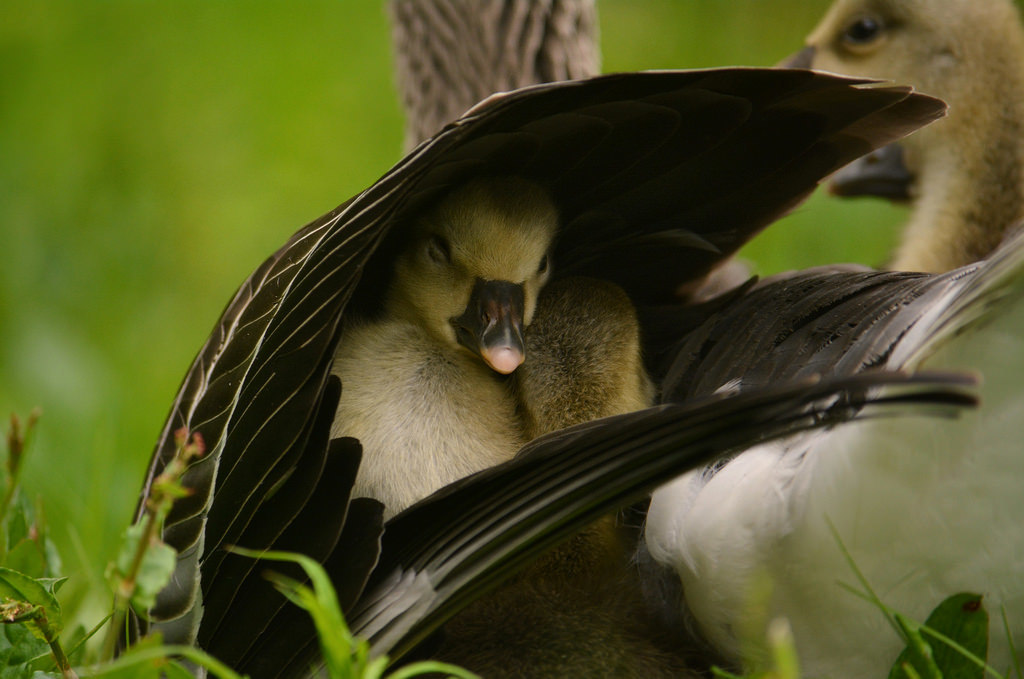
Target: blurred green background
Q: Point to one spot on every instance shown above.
(153, 153)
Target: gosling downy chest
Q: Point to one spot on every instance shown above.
(426, 413)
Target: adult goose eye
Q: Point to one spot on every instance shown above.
(863, 31)
(438, 250)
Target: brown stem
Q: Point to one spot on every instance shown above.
(17, 441)
(156, 508)
(126, 586)
(62, 660)
(40, 620)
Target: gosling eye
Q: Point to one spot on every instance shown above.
(543, 268)
(438, 250)
(863, 31)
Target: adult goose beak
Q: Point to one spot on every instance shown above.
(802, 59)
(492, 324)
(880, 173)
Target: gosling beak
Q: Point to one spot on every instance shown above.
(492, 324)
(880, 173)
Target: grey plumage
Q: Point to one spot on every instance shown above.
(451, 54)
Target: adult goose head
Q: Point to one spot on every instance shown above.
(964, 177)
(656, 178)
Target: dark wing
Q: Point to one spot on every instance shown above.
(445, 551)
(696, 182)
(794, 325)
(257, 389)
(828, 322)
(656, 185)
(400, 582)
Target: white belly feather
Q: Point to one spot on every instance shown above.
(927, 508)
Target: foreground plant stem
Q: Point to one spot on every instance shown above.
(165, 490)
(34, 617)
(17, 442)
(58, 654)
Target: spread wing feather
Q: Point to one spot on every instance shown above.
(616, 152)
(834, 322)
(447, 550)
(400, 582)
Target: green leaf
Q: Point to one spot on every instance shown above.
(154, 572)
(145, 660)
(149, 659)
(52, 585)
(176, 671)
(952, 644)
(19, 588)
(18, 520)
(909, 671)
(26, 557)
(785, 663)
(18, 648)
(917, 659)
(719, 673)
(961, 618)
(29, 548)
(343, 655)
(433, 668)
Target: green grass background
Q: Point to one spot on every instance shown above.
(153, 153)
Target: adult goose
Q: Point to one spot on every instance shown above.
(656, 177)
(451, 54)
(964, 177)
(924, 510)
